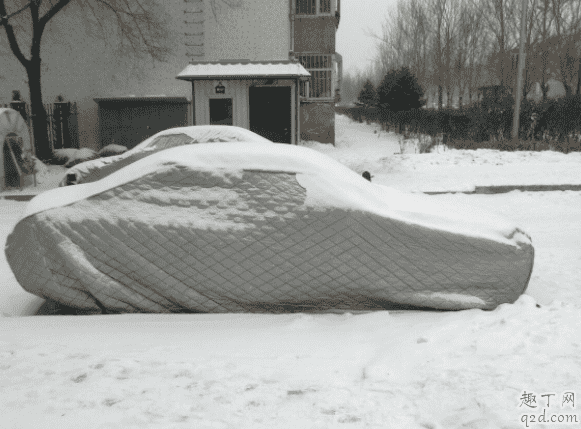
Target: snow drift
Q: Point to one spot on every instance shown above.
(254, 227)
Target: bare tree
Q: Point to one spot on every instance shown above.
(418, 29)
(352, 84)
(138, 24)
(468, 47)
(404, 41)
(497, 16)
(538, 48)
(453, 54)
(567, 20)
(533, 67)
(453, 46)
(437, 11)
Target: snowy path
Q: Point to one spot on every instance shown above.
(444, 170)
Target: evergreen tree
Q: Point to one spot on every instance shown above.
(399, 91)
(385, 90)
(367, 96)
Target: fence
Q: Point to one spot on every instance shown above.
(61, 122)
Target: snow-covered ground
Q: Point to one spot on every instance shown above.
(365, 147)
(397, 369)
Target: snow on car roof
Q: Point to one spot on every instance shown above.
(209, 133)
(327, 182)
(193, 134)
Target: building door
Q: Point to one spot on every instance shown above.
(220, 111)
(270, 112)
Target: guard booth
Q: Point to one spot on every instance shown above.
(260, 96)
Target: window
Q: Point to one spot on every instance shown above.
(320, 85)
(312, 7)
(220, 111)
(307, 7)
(171, 140)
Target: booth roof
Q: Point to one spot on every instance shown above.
(243, 70)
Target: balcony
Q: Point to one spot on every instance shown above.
(318, 8)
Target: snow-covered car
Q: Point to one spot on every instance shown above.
(260, 228)
(96, 169)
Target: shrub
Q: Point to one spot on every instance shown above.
(367, 96)
(71, 157)
(399, 91)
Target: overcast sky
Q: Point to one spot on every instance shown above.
(359, 17)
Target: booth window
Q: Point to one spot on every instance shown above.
(220, 111)
(320, 84)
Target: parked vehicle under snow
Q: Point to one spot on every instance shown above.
(97, 169)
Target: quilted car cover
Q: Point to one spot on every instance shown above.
(260, 228)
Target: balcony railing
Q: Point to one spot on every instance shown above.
(314, 7)
(320, 84)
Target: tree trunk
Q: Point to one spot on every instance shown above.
(502, 44)
(545, 89)
(579, 78)
(568, 89)
(440, 97)
(39, 119)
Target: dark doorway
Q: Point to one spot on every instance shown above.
(270, 112)
(220, 111)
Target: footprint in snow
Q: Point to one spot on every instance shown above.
(109, 402)
(79, 378)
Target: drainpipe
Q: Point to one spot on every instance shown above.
(291, 54)
(339, 60)
(193, 102)
(291, 16)
(298, 112)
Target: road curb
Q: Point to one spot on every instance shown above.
(18, 197)
(482, 190)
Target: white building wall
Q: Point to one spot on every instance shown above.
(256, 30)
(237, 90)
(80, 66)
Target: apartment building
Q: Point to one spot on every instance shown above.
(266, 65)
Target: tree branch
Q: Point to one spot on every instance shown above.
(12, 37)
(56, 8)
(4, 17)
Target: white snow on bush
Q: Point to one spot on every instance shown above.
(64, 155)
(81, 155)
(74, 156)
